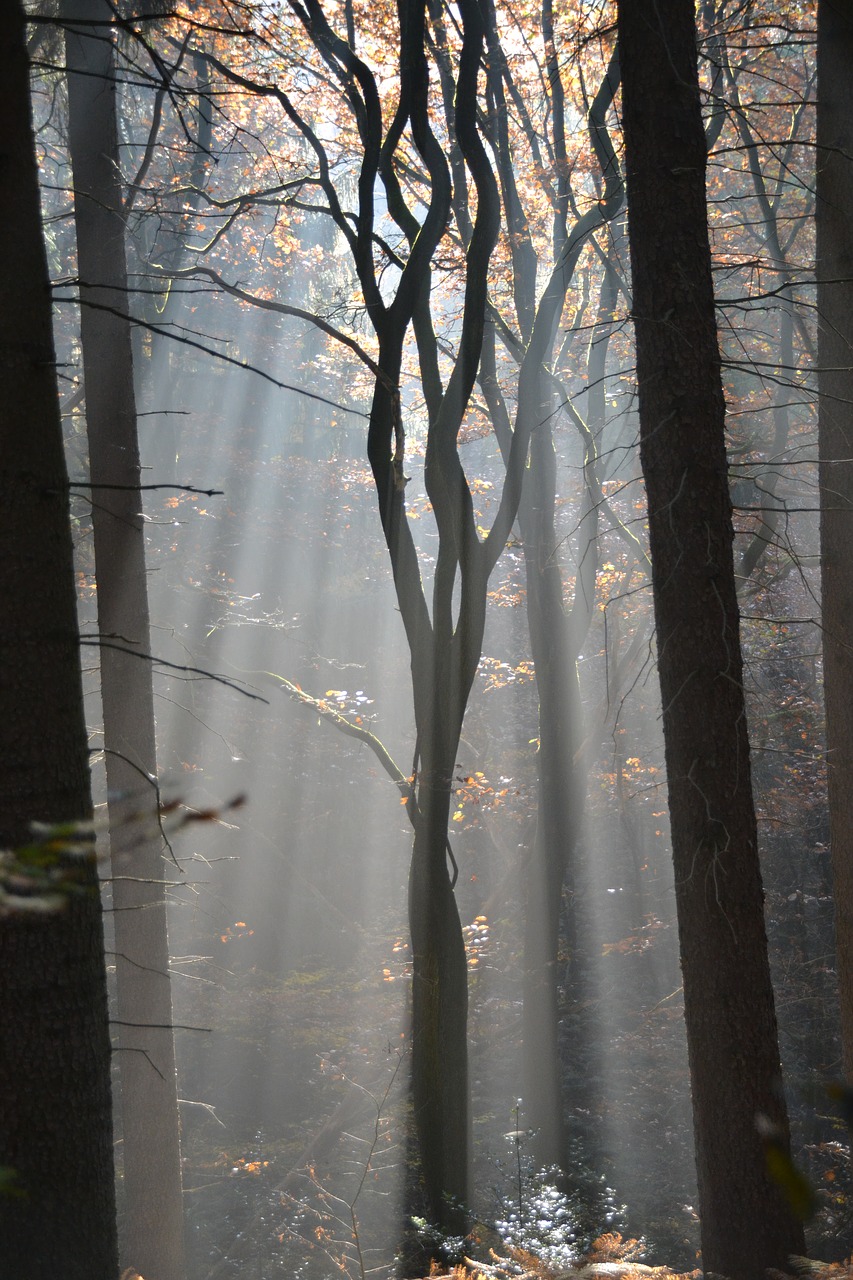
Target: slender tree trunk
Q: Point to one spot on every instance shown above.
(729, 1008)
(554, 633)
(560, 801)
(835, 417)
(160, 250)
(152, 1220)
(55, 1123)
(445, 646)
(771, 512)
(439, 1010)
(444, 662)
(561, 798)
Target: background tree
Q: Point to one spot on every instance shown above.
(728, 998)
(557, 632)
(771, 180)
(152, 1217)
(55, 1128)
(158, 221)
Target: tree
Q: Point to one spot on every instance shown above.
(392, 251)
(164, 239)
(152, 1218)
(834, 191)
(729, 1006)
(446, 646)
(770, 189)
(444, 639)
(55, 1128)
(556, 633)
(528, 332)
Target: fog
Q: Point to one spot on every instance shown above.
(288, 919)
(284, 705)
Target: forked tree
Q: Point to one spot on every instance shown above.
(729, 1007)
(444, 620)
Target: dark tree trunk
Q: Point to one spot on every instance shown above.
(152, 1218)
(729, 1009)
(55, 1124)
(444, 640)
(834, 181)
(444, 662)
(446, 645)
(439, 1013)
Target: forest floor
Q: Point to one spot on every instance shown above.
(610, 1258)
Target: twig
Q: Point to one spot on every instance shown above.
(208, 351)
(102, 643)
(139, 488)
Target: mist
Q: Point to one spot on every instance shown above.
(310, 725)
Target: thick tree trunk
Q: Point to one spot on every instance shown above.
(729, 1009)
(152, 1218)
(55, 1124)
(834, 181)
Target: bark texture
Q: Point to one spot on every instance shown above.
(152, 1219)
(834, 189)
(729, 1008)
(55, 1123)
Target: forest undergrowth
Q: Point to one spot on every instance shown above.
(299, 1172)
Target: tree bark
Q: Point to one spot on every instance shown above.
(729, 1008)
(440, 1088)
(834, 190)
(152, 1217)
(55, 1122)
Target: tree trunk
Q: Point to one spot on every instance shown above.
(55, 1124)
(445, 647)
(160, 248)
(560, 800)
(439, 1014)
(834, 182)
(555, 634)
(729, 1008)
(152, 1218)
